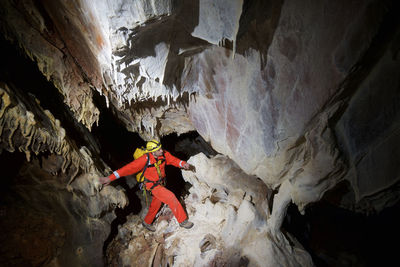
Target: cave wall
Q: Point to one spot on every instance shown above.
(53, 211)
(273, 100)
(368, 132)
(301, 94)
(38, 27)
(242, 93)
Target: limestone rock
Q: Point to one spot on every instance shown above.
(300, 95)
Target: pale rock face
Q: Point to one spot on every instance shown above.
(122, 15)
(150, 70)
(167, 119)
(241, 112)
(218, 21)
(235, 122)
(256, 112)
(175, 121)
(224, 112)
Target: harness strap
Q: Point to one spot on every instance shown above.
(157, 163)
(161, 180)
(145, 167)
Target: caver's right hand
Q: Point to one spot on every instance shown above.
(104, 180)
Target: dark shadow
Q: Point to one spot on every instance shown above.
(380, 43)
(338, 237)
(183, 147)
(134, 207)
(257, 25)
(117, 144)
(10, 164)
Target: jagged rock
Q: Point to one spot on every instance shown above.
(217, 21)
(50, 188)
(291, 91)
(41, 31)
(20, 130)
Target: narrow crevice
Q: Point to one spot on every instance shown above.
(10, 164)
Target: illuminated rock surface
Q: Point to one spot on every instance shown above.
(298, 98)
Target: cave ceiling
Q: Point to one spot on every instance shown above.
(301, 94)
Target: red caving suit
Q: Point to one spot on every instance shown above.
(160, 193)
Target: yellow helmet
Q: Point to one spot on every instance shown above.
(153, 145)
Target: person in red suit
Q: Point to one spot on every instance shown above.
(154, 179)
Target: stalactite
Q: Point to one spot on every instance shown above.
(18, 126)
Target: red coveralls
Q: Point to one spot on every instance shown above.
(160, 193)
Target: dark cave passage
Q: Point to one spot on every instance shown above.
(336, 237)
(34, 217)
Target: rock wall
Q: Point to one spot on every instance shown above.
(63, 217)
(50, 36)
(291, 91)
(368, 132)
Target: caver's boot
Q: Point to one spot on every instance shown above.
(186, 224)
(148, 226)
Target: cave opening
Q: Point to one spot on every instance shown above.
(335, 236)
